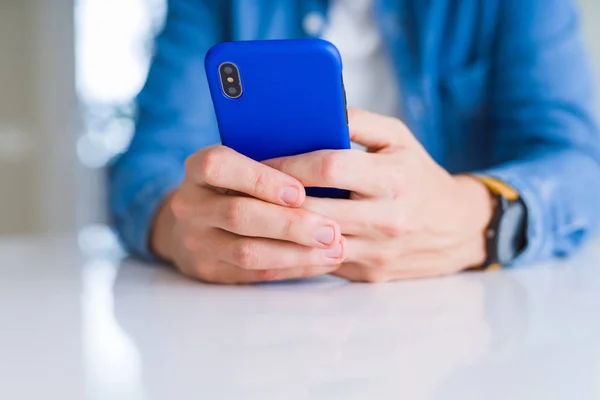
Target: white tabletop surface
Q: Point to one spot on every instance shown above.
(84, 325)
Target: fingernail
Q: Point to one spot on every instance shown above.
(325, 235)
(335, 252)
(289, 195)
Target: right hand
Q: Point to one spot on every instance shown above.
(234, 220)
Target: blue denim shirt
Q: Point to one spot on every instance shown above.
(497, 87)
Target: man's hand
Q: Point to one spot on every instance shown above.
(234, 220)
(408, 217)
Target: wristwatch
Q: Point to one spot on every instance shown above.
(506, 234)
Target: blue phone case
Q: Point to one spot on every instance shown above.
(292, 100)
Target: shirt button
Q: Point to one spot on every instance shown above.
(313, 23)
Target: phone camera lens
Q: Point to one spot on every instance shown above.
(230, 80)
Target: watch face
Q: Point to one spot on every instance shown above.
(511, 236)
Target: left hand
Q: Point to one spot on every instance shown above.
(407, 217)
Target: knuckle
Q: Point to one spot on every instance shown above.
(261, 182)
(291, 221)
(210, 167)
(267, 274)
(331, 167)
(179, 205)
(245, 255)
(391, 229)
(393, 225)
(235, 214)
(378, 260)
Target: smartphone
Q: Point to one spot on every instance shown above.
(276, 98)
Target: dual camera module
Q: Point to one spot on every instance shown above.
(230, 80)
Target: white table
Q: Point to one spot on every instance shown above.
(77, 326)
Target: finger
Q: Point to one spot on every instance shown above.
(365, 261)
(222, 167)
(228, 274)
(359, 250)
(260, 254)
(371, 252)
(250, 217)
(341, 169)
(364, 218)
(355, 272)
(377, 132)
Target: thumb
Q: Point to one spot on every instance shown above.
(377, 132)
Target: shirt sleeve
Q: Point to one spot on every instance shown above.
(545, 138)
(175, 118)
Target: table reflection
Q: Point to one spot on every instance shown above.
(310, 338)
(86, 325)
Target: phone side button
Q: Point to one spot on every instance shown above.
(345, 103)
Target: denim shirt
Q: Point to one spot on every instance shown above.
(495, 87)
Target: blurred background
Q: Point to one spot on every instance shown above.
(69, 70)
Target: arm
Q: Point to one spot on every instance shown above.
(175, 119)
(412, 220)
(546, 142)
(218, 216)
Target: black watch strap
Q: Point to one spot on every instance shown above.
(505, 234)
(492, 261)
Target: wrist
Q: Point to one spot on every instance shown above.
(162, 231)
(477, 205)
